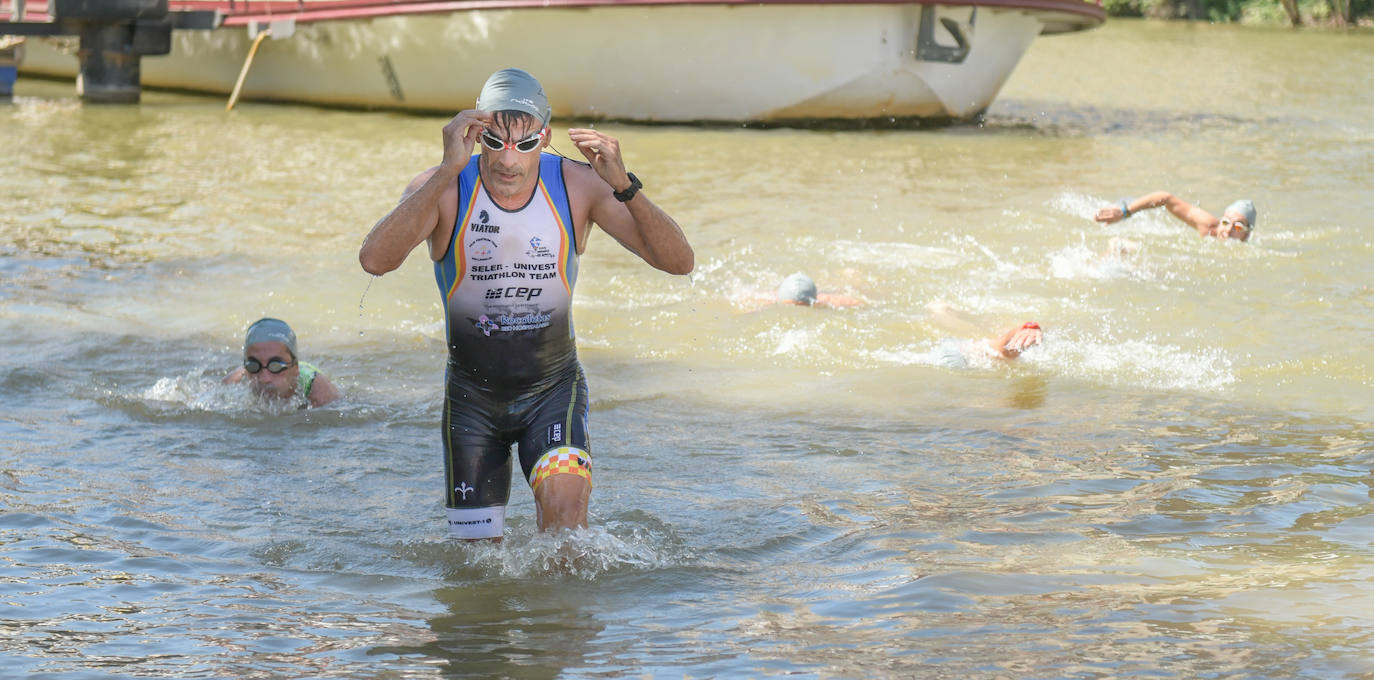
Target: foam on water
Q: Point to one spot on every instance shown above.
(1137, 363)
(791, 341)
(889, 254)
(945, 353)
(615, 546)
(201, 393)
(1121, 259)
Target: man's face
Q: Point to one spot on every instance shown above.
(269, 355)
(1232, 225)
(511, 172)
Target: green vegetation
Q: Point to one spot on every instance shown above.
(1297, 12)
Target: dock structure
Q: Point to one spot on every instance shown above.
(114, 37)
(11, 51)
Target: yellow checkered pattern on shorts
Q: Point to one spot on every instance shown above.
(562, 460)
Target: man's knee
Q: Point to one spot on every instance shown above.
(561, 502)
(562, 484)
(564, 460)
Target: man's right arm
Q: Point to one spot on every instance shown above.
(421, 212)
(409, 224)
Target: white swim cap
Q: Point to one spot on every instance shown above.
(798, 288)
(1245, 208)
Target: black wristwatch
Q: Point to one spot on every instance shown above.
(629, 191)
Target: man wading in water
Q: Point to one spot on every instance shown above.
(505, 229)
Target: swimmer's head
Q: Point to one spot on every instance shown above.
(512, 89)
(1237, 221)
(797, 289)
(270, 330)
(269, 358)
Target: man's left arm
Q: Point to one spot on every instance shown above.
(637, 223)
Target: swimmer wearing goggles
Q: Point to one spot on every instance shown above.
(1236, 222)
(272, 370)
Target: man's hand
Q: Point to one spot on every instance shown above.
(1021, 339)
(460, 135)
(1109, 214)
(603, 151)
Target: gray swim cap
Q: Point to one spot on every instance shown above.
(512, 89)
(1245, 208)
(270, 330)
(798, 288)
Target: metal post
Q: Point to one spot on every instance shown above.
(109, 65)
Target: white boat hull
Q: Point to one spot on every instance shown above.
(660, 63)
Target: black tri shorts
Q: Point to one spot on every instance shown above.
(481, 424)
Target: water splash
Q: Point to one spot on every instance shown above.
(1002, 266)
(197, 393)
(583, 554)
(945, 353)
(1120, 260)
(1139, 363)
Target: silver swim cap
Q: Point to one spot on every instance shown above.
(1245, 208)
(798, 288)
(270, 330)
(512, 89)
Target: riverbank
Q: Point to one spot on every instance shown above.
(1321, 14)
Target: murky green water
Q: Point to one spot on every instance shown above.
(1176, 484)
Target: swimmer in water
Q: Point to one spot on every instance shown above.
(1016, 340)
(799, 289)
(1236, 222)
(269, 362)
(1007, 346)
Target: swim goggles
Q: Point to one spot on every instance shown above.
(274, 365)
(1231, 225)
(525, 145)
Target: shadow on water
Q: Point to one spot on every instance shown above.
(526, 630)
(1028, 392)
(531, 606)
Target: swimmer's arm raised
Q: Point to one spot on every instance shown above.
(638, 224)
(1196, 217)
(425, 206)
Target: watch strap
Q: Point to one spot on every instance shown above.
(629, 191)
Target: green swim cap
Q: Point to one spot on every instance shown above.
(270, 330)
(798, 288)
(512, 89)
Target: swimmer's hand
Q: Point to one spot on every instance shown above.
(460, 136)
(1018, 340)
(603, 152)
(1109, 215)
